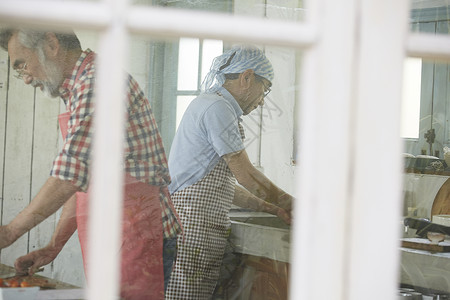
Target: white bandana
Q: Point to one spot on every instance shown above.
(237, 60)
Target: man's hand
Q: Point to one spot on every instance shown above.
(277, 211)
(285, 216)
(30, 263)
(244, 198)
(6, 236)
(285, 202)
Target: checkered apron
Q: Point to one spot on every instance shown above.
(203, 209)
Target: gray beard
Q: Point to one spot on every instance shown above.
(54, 75)
(48, 89)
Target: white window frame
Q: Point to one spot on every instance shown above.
(349, 184)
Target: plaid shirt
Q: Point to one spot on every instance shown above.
(145, 158)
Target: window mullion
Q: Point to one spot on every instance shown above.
(377, 171)
(428, 45)
(159, 22)
(319, 254)
(105, 210)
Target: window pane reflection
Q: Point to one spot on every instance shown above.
(257, 241)
(211, 49)
(411, 98)
(182, 103)
(426, 183)
(269, 133)
(292, 10)
(188, 64)
(430, 16)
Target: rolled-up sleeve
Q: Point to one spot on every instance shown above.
(72, 163)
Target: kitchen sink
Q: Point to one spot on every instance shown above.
(270, 221)
(260, 234)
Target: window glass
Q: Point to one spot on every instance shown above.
(431, 137)
(430, 16)
(30, 140)
(288, 10)
(257, 243)
(188, 58)
(425, 108)
(211, 49)
(182, 103)
(190, 61)
(426, 161)
(411, 98)
(268, 141)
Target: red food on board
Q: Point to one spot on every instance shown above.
(13, 283)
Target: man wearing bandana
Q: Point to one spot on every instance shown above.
(206, 159)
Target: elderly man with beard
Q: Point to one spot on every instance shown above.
(56, 64)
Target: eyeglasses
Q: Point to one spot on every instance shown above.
(267, 89)
(21, 71)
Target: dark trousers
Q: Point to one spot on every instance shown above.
(169, 256)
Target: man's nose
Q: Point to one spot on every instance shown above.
(27, 79)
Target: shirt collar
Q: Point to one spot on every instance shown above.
(69, 82)
(227, 96)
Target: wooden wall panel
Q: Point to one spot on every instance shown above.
(17, 163)
(47, 143)
(3, 88)
(45, 148)
(29, 142)
(46, 136)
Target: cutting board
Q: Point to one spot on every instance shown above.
(38, 280)
(34, 280)
(425, 244)
(441, 204)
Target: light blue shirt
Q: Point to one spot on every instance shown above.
(208, 130)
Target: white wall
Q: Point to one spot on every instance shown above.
(273, 153)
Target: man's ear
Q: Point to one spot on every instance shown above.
(51, 46)
(246, 78)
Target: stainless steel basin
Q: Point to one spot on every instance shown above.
(260, 234)
(270, 221)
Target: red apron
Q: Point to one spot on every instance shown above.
(142, 274)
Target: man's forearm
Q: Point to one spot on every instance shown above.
(66, 226)
(254, 181)
(245, 199)
(261, 186)
(53, 194)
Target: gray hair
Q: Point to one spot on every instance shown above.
(34, 39)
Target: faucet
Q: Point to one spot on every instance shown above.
(430, 135)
